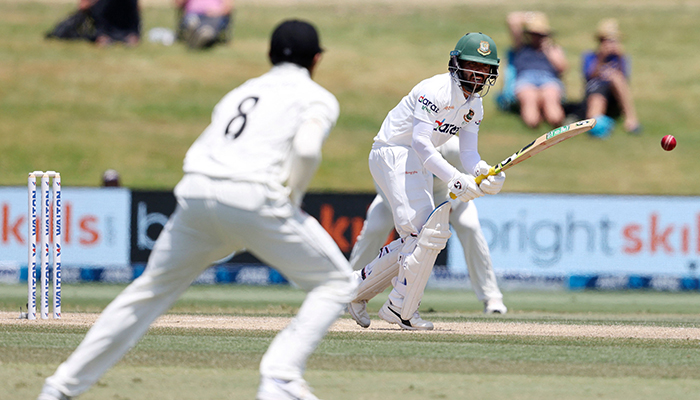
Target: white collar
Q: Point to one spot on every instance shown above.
(288, 66)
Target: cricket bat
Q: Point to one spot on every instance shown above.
(540, 144)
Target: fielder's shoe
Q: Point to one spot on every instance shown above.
(358, 312)
(392, 314)
(278, 389)
(495, 306)
(51, 393)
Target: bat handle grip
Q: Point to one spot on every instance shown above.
(478, 179)
(492, 172)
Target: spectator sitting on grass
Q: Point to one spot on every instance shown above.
(103, 22)
(203, 23)
(607, 71)
(539, 64)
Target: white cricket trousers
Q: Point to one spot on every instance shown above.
(408, 187)
(200, 232)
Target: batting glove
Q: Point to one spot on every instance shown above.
(493, 184)
(482, 168)
(464, 187)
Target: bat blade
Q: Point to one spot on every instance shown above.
(538, 145)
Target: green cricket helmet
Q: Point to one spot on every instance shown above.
(479, 48)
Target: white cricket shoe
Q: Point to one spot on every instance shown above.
(392, 314)
(51, 393)
(279, 389)
(495, 306)
(358, 312)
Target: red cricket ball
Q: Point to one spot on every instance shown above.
(668, 142)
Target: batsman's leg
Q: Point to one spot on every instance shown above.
(411, 204)
(415, 270)
(375, 231)
(373, 279)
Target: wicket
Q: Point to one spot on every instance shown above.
(45, 210)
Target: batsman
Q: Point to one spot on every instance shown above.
(403, 160)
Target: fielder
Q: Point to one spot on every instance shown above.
(244, 178)
(403, 160)
(464, 219)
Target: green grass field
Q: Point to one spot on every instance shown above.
(176, 363)
(80, 110)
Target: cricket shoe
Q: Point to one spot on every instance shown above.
(495, 306)
(392, 314)
(280, 389)
(358, 312)
(51, 393)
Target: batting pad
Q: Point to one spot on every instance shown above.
(432, 238)
(377, 274)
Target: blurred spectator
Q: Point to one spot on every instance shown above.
(607, 71)
(103, 22)
(539, 64)
(204, 23)
(110, 178)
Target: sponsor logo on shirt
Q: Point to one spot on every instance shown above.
(449, 108)
(427, 105)
(446, 128)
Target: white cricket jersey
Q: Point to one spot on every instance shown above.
(252, 128)
(440, 102)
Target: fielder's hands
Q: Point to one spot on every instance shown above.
(493, 183)
(464, 187)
